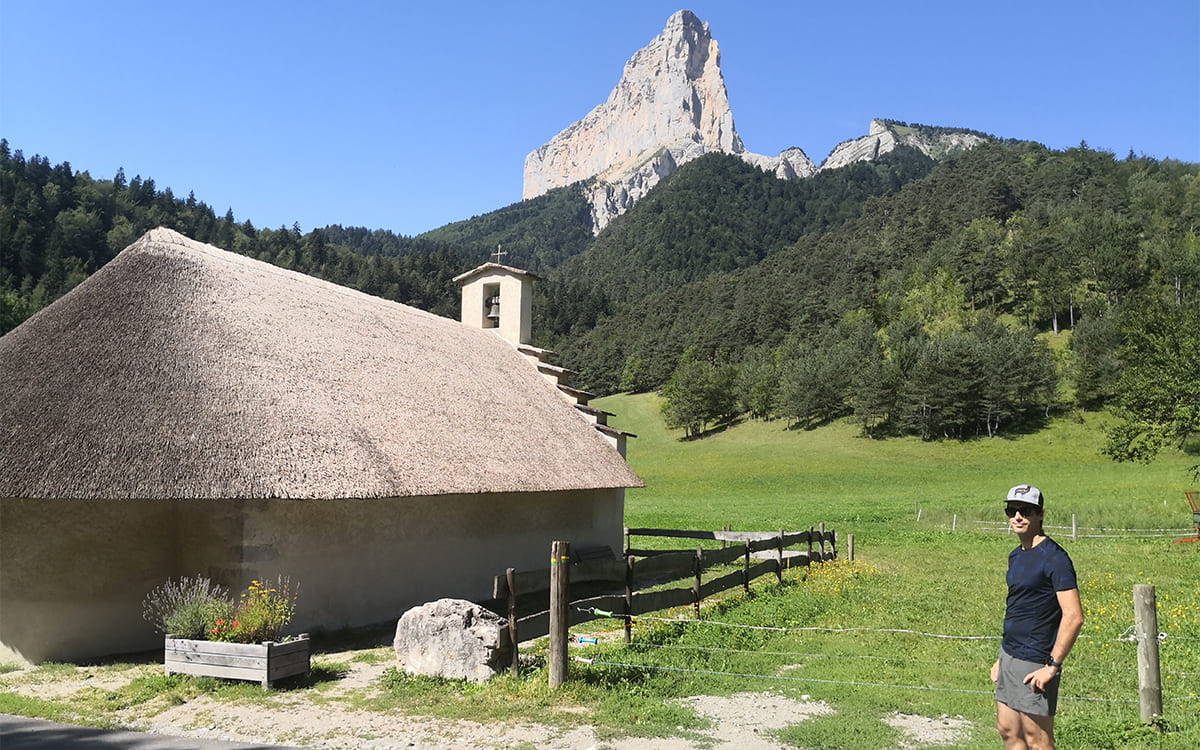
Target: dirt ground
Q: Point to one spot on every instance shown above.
(319, 720)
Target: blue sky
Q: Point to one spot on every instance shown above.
(407, 116)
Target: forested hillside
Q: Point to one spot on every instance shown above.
(1010, 229)
(719, 214)
(921, 316)
(917, 297)
(57, 226)
(537, 234)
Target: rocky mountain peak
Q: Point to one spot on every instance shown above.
(669, 107)
(885, 135)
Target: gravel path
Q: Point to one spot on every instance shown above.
(322, 719)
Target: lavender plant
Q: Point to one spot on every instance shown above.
(187, 608)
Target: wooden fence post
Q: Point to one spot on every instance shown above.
(779, 557)
(560, 571)
(822, 541)
(1074, 527)
(746, 569)
(850, 546)
(1146, 632)
(628, 600)
(511, 576)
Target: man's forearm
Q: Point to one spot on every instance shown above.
(1069, 627)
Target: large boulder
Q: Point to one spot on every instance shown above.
(453, 638)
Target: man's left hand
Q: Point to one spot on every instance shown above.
(1040, 678)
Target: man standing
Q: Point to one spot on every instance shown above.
(1042, 618)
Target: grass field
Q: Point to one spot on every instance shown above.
(925, 577)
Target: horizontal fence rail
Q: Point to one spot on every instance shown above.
(646, 581)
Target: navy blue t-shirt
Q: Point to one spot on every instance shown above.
(1032, 615)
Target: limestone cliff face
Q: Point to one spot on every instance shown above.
(672, 94)
(669, 107)
(883, 136)
(793, 162)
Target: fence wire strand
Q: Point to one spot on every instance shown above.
(857, 657)
(1125, 636)
(1089, 637)
(598, 662)
(777, 629)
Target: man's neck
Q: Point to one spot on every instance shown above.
(1031, 538)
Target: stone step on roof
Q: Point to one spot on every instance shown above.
(614, 432)
(561, 373)
(581, 397)
(541, 355)
(599, 416)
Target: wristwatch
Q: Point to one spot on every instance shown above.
(1056, 664)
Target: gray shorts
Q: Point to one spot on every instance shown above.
(1012, 691)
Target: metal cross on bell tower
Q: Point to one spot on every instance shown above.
(498, 254)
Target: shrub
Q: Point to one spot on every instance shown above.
(187, 608)
(198, 609)
(261, 615)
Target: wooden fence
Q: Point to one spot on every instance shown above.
(646, 577)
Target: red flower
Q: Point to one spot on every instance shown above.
(235, 623)
(215, 630)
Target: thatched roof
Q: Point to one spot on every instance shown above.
(183, 371)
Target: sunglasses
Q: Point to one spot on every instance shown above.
(1011, 511)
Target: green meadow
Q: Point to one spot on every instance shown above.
(942, 575)
(762, 475)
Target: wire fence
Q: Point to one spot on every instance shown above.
(1126, 636)
(870, 657)
(955, 522)
(1093, 532)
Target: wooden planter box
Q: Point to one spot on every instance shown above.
(260, 662)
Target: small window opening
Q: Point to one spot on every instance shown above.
(491, 305)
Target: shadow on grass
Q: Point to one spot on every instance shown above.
(613, 676)
(377, 635)
(716, 429)
(320, 674)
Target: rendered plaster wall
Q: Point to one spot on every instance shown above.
(74, 573)
(363, 562)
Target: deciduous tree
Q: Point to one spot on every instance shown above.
(1158, 394)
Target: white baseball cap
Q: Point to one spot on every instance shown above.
(1027, 494)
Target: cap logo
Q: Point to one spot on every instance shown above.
(1028, 494)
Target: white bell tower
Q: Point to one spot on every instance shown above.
(500, 297)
